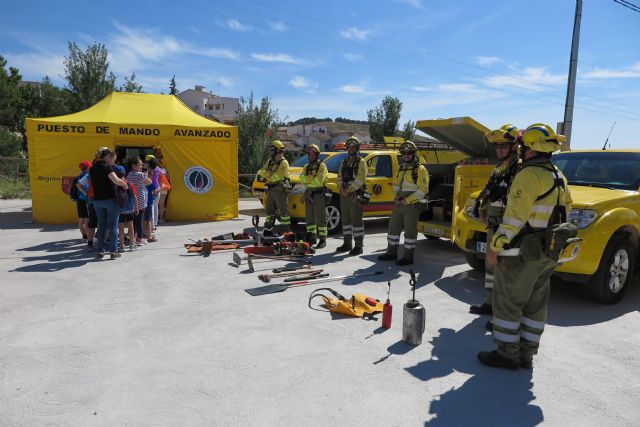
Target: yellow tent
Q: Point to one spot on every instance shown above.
(200, 155)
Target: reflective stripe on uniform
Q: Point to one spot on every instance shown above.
(510, 252)
(512, 222)
(393, 240)
(419, 194)
(395, 188)
(497, 204)
(502, 230)
(538, 223)
(505, 337)
(410, 243)
(532, 323)
(347, 229)
(358, 231)
(488, 281)
(530, 336)
(542, 208)
(311, 228)
(515, 326)
(322, 231)
(285, 220)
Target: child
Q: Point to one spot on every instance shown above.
(127, 213)
(139, 180)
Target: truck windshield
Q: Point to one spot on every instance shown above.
(305, 159)
(618, 171)
(333, 163)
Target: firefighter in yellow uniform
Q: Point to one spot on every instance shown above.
(276, 172)
(410, 187)
(314, 178)
(493, 197)
(351, 183)
(538, 199)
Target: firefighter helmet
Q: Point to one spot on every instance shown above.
(313, 147)
(507, 134)
(408, 146)
(276, 144)
(540, 137)
(352, 140)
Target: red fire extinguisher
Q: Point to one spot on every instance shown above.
(387, 310)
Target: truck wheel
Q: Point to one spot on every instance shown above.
(615, 271)
(475, 262)
(334, 219)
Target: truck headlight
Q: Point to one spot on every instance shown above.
(469, 208)
(582, 218)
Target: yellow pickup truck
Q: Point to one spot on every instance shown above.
(382, 166)
(606, 207)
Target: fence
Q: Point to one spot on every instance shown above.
(14, 178)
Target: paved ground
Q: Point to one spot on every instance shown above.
(162, 338)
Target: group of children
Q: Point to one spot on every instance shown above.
(143, 208)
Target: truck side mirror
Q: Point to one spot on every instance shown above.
(371, 171)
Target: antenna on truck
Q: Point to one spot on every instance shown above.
(604, 147)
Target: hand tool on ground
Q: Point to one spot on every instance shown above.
(413, 317)
(305, 277)
(267, 277)
(286, 269)
(291, 258)
(281, 287)
(387, 311)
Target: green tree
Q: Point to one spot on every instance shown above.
(131, 85)
(384, 119)
(8, 94)
(256, 124)
(409, 131)
(88, 76)
(173, 90)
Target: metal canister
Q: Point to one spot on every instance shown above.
(414, 319)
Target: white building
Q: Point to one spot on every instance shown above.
(218, 108)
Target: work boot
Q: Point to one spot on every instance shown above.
(484, 308)
(356, 251)
(407, 258)
(489, 326)
(526, 363)
(322, 242)
(391, 254)
(495, 360)
(346, 246)
(310, 238)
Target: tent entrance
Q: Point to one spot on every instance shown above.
(125, 151)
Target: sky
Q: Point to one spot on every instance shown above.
(496, 61)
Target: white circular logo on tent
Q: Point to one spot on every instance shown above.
(198, 180)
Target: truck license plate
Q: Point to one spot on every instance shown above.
(434, 231)
(481, 247)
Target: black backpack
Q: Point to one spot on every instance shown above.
(73, 191)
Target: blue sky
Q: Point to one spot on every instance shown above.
(496, 61)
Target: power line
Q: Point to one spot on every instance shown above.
(407, 58)
(628, 5)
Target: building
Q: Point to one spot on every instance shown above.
(218, 108)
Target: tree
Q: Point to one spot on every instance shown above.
(409, 131)
(173, 90)
(384, 119)
(255, 124)
(130, 85)
(88, 76)
(8, 94)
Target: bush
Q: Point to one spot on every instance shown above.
(10, 143)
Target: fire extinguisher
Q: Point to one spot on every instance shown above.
(387, 310)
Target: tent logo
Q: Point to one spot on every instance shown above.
(198, 180)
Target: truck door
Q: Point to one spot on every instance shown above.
(379, 179)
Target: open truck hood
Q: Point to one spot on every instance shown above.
(462, 133)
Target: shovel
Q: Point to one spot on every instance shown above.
(281, 287)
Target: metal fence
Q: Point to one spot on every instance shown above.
(14, 178)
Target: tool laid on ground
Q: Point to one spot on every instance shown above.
(281, 287)
(267, 277)
(287, 269)
(205, 247)
(305, 277)
(288, 258)
(387, 311)
(413, 317)
(358, 305)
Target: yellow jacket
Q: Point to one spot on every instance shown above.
(404, 183)
(359, 178)
(316, 179)
(534, 179)
(274, 171)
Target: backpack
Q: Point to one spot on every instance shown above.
(165, 185)
(73, 191)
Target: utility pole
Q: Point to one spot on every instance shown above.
(573, 67)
